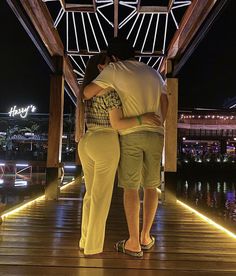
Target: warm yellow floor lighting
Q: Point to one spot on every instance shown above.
(218, 226)
(67, 184)
(17, 209)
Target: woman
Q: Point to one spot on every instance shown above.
(99, 153)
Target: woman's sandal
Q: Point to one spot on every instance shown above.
(120, 247)
(149, 245)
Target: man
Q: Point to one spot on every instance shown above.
(141, 90)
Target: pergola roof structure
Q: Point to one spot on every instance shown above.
(160, 30)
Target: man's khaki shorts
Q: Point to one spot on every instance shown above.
(140, 160)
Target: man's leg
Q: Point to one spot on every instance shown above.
(129, 172)
(151, 180)
(150, 203)
(132, 209)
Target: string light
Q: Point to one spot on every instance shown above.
(182, 116)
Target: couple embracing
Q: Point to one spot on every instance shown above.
(125, 105)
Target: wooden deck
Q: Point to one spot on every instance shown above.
(42, 240)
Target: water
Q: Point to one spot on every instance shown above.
(18, 187)
(212, 195)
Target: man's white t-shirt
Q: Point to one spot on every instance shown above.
(139, 87)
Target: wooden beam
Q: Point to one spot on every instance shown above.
(27, 25)
(153, 9)
(70, 94)
(43, 23)
(199, 36)
(80, 8)
(138, 5)
(168, 68)
(29, 28)
(82, 52)
(63, 4)
(56, 115)
(170, 5)
(70, 76)
(55, 129)
(116, 17)
(191, 22)
(94, 5)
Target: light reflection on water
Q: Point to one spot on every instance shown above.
(216, 197)
(17, 188)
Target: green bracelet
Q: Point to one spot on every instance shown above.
(139, 119)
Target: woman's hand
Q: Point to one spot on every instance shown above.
(151, 119)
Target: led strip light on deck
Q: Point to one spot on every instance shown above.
(22, 207)
(31, 202)
(218, 226)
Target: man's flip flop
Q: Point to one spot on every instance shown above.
(149, 245)
(120, 247)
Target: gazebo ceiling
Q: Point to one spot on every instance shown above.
(86, 26)
(158, 29)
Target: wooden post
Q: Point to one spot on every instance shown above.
(116, 17)
(55, 131)
(170, 145)
(171, 126)
(79, 129)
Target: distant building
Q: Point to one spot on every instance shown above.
(26, 138)
(207, 135)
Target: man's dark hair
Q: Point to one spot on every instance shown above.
(121, 48)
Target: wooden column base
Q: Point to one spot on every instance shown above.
(78, 171)
(52, 183)
(169, 194)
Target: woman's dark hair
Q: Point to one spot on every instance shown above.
(91, 71)
(121, 48)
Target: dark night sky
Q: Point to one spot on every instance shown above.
(24, 75)
(206, 80)
(208, 77)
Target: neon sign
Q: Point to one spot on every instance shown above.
(23, 112)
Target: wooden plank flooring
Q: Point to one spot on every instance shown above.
(42, 240)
